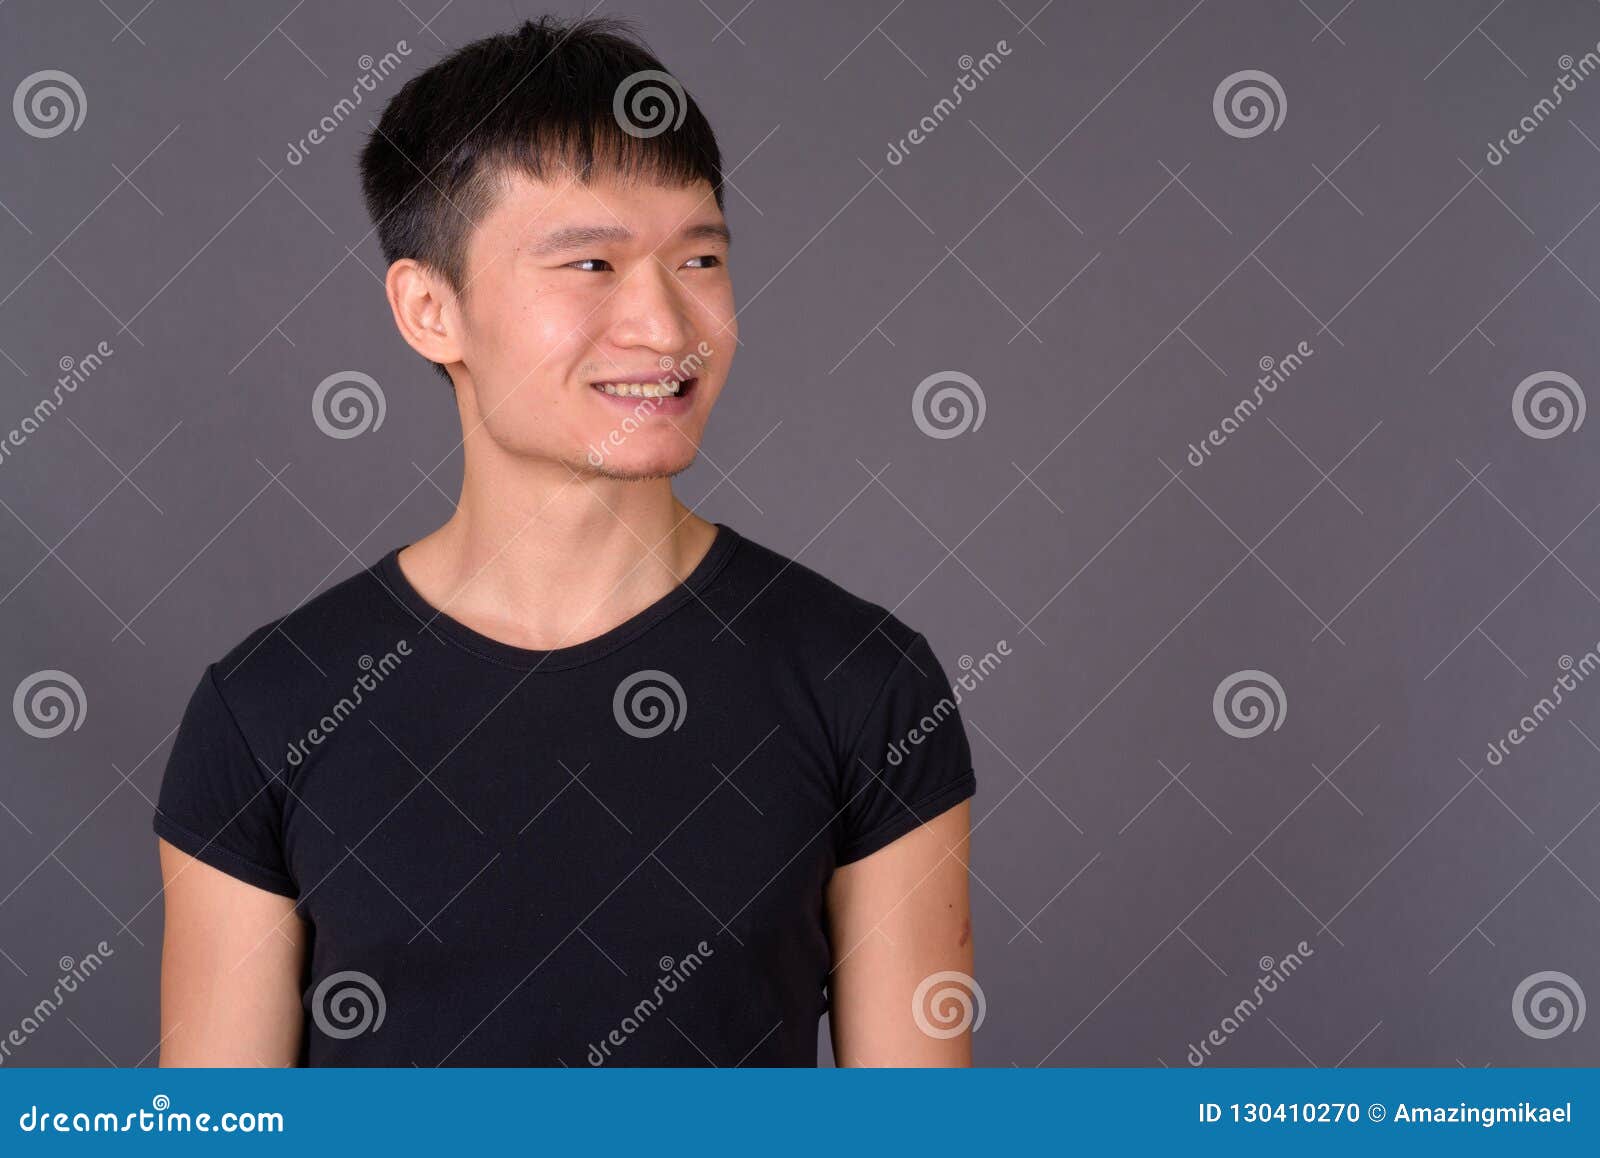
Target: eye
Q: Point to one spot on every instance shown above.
(711, 261)
(591, 261)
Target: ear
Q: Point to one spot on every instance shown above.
(424, 311)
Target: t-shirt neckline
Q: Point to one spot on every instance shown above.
(440, 623)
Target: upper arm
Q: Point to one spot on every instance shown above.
(231, 963)
(234, 944)
(898, 918)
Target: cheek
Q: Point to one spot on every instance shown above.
(552, 335)
(546, 321)
(726, 331)
(533, 337)
(720, 304)
(715, 322)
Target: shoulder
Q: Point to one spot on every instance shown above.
(291, 662)
(774, 602)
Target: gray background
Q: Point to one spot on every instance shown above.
(1082, 238)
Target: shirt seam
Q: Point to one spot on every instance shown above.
(872, 707)
(233, 720)
(451, 638)
(211, 845)
(257, 763)
(950, 787)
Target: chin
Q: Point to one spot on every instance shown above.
(636, 467)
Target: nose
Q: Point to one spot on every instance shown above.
(651, 310)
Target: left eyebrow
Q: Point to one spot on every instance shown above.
(577, 237)
(708, 231)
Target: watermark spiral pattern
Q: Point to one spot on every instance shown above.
(648, 703)
(649, 102)
(947, 1004)
(347, 404)
(348, 1004)
(1548, 1004)
(948, 404)
(1248, 703)
(1548, 404)
(48, 103)
(48, 703)
(1249, 103)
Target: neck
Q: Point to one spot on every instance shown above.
(541, 557)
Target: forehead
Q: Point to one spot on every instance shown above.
(526, 209)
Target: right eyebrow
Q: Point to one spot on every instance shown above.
(569, 238)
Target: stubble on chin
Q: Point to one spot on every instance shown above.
(585, 468)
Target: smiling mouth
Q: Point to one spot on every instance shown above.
(667, 389)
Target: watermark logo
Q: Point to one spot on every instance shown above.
(1548, 404)
(649, 102)
(1248, 703)
(74, 373)
(1273, 974)
(347, 404)
(948, 1003)
(1574, 673)
(1553, 1000)
(648, 703)
(1573, 73)
(73, 974)
(156, 1120)
(48, 103)
(1274, 373)
(973, 673)
(947, 404)
(48, 703)
(673, 974)
(372, 71)
(673, 370)
(973, 73)
(1249, 103)
(348, 1004)
(374, 672)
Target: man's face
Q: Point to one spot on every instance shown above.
(597, 323)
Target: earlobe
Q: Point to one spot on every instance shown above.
(420, 303)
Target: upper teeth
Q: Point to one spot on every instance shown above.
(641, 389)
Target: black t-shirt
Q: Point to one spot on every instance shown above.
(613, 853)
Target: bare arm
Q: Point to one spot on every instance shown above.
(230, 969)
(896, 918)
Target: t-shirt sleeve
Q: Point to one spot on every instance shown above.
(911, 761)
(218, 803)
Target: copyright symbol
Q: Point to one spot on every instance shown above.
(1376, 1111)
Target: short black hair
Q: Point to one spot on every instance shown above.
(549, 99)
